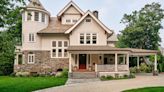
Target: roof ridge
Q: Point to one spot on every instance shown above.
(35, 4)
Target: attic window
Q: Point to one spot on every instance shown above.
(88, 20)
(68, 21)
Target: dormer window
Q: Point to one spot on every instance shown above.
(88, 20)
(36, 16)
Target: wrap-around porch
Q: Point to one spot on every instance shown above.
(104, 60)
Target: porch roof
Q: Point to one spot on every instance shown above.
(108, 49)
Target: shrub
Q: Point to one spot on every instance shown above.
(22, 74)
(132, 75)
(133, 69)
(64, 74)
(125, 76)
(145, 68)
(109, 77)
(13, 74)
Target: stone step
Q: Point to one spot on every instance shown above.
(83, 75)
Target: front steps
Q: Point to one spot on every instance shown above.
(83, 75)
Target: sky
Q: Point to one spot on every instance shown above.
(110, 11)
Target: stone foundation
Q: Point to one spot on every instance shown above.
(43, 63)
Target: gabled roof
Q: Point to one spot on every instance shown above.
(71, 3)
(96, 19)
(35, 4)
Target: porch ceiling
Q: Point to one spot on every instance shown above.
(108, 50)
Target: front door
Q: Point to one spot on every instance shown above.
(82, 61)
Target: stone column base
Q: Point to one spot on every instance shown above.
(70, 75)
(155, 73)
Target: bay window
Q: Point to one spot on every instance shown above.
(59, 49)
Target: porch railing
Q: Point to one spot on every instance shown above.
(110, 68)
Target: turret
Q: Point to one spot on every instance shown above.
(34, 18)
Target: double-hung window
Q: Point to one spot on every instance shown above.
(88, 38)
(81, 38)
(59, 49)
(31, 58)
(94, 38)
(43, 17)
(31, 37)
(36, 18)
(29, 16)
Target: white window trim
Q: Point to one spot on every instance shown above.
(91, 39)
(29, 38)
(31, 55)
(57, 48)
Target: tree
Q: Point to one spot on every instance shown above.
(10, 21)
(142, 28)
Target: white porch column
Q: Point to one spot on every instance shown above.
(16, 60)
(138, 62)
(155, 62)
(124, 59)
(116, 63)
(70, 63)
(127, 61)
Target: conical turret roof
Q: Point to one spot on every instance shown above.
(35, 4)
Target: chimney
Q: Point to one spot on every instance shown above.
(96, 14)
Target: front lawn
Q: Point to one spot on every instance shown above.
(147, 89)
(28, 84)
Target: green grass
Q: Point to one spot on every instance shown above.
(147, 89)
(28, 84)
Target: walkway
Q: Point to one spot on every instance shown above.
(111, 86)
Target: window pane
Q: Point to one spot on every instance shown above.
(81, 38)
(65, 44)
(54, 53)
(29, 15)
(74, 21)
(36, 16)
(59, 43)
(88, 39)
(29, 37)
(43, 17)
(65, 53)
(32, 36)
(68, 20)
(88, 20)
(59, 52)
(54, 44)
(94, 38)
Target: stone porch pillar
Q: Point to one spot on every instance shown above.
(116, 62)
